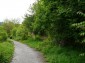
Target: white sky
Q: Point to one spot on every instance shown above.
(10, 9)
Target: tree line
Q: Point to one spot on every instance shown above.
(60, 21)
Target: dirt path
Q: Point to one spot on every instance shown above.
(25, 54)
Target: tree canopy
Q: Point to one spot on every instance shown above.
(59, 19)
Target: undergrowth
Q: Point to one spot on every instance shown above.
(6, 52)
(56, 54)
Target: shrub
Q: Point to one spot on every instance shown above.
(3, 36)
(6, 51)
(22, 33)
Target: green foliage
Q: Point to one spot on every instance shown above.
(21, 33)
(35, 22)
(63, 22)
(39, 25)
(56, 54)
(28, 22)
(13, 32)
(81, 28)
(62, 14)
(55, 18)
(9, 25)
(3, 34)
(6, 52)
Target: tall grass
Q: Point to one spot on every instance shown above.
(6, 52)
(56, 54)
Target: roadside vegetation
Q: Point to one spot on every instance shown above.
(6, 51)
(6, 46)
(57, 54)
(54, 27)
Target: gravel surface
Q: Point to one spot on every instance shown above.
(25, 54)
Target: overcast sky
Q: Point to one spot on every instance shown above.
(10, 9)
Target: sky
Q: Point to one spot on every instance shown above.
(14, 9)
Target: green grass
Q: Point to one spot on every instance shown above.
(55, 53)
(6, 51)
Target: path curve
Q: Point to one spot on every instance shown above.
(25, 54)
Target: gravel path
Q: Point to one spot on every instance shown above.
(25, 54)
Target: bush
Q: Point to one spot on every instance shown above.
(22, 33)
(3, 36)
(6, 52)
(13, 33)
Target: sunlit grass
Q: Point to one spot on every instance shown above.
(57, 54)
(6, 52)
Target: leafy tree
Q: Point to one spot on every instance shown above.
(9, 25)
(28, 22)
(22, 33)
(58, 19)
(13, 33)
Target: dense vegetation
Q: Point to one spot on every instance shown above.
(62, 21)
(3, 34)
(6, 51)
(6, 46)
(56, 28)
(56, 54)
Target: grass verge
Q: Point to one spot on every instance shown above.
(6, 51)
(57, 54)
